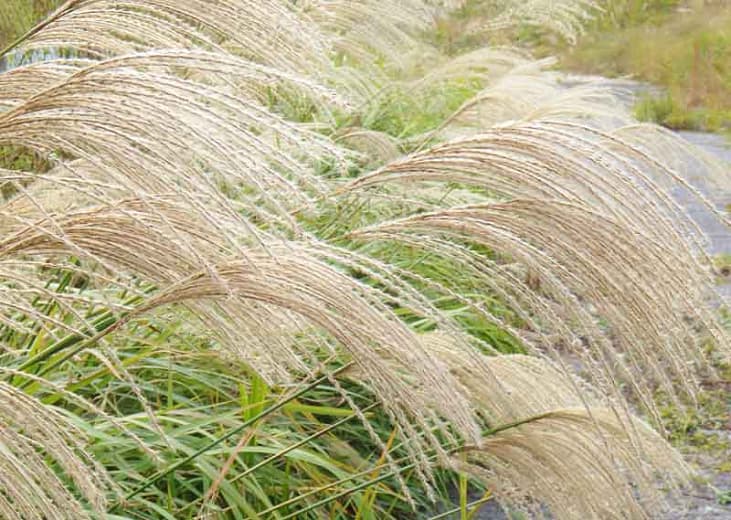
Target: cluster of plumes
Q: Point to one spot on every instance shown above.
(30, 434)
(549, 426)
(175, 177)
(604, 241)
(565, 17)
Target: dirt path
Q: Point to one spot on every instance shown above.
(710, 453)
(712, 457)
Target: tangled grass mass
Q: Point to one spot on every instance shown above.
(301, 259)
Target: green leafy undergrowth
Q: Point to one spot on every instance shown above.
(685, 49)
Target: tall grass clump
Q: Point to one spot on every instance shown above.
(279, 260)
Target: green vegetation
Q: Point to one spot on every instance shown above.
(682, 47)
(18, 17)
(257, 263)
(698, 431)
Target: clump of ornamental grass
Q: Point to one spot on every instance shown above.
(184, 215)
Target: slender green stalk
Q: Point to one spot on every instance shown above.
(100, 325)
(162, 474)
(471, 505)
(304, 441)
(346, 492)
(463, 497)
(354, 476)
(288, 449)
(104, 325)
(460, 446)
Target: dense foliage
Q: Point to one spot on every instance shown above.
(274, 259)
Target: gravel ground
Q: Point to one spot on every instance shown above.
(705, 502)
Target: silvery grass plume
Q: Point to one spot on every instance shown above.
(589, 240)
(270, 32)
(31, 434)
(557, 430)
(529, 92)
(360, 28)
(173, 180)
(563, 17)
(240, 145)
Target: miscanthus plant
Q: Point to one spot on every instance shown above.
(275, 259)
